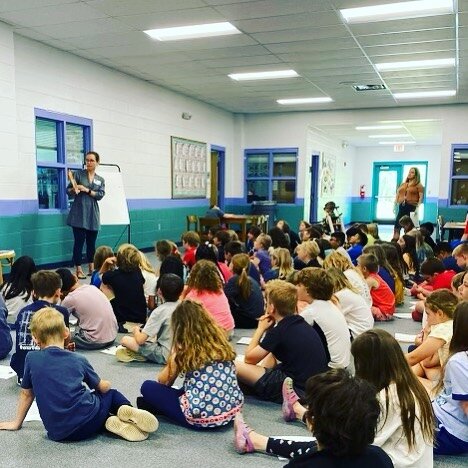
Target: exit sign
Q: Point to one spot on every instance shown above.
(399, 148)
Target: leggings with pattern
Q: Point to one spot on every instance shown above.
(289, 448)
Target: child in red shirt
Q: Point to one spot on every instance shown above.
(383, 299)
(190, 242)
(435, 277)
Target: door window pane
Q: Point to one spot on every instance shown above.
(284, 165)
(386, 194)
(46, 141)
(284, 191)
(75, 143)
(48, 187)
(257, 165)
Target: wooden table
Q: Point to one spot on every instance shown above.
(451, 227)
(242, 221)
(9, 256)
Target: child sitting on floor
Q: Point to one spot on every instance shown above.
(46, 290)
(451, 402)
(6, 343)
(282, 336)
(356, 240)
(69, 410)
(427, 359)
(103, 252)
(342, 413)
(383, 300)
(210, 396)
(190, 242)
(153, 342)
(124, 286)
(435, 277)
(261, 257)
(281, 265)
(315, 286)
(97, 326)
(17, 291)
(149, 274)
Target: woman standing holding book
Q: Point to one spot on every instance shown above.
(87, 188)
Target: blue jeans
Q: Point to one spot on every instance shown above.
(110, 401)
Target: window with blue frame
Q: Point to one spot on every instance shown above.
(270, 174)
(459, 175)
(61, 144)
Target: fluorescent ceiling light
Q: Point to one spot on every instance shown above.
(379, 127)
(315, 100)
(397, 11)
(395, 135)
(416, 64)
(192, 32)
(267, 75)
(425, 94)
(397, 142)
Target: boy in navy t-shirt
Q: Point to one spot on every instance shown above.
(289, 339)
(46, 290)
(69, 410)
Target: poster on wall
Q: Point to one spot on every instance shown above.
(327, 176)
(189, 168)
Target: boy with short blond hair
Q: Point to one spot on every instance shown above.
(261, 256)
(46, 290)
(281, 336)
(460, 253)
(69, 410)
(190, 242)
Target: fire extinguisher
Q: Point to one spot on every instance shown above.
(362, 192)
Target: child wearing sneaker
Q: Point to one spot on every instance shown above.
(210, 396)
(283, 336)
(69, 410)
(153, 342)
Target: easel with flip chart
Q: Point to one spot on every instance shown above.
(113, 207)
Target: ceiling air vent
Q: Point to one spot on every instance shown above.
(369, 87)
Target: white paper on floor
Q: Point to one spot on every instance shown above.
(294, 439)
(6, 372)
(240, 358)
(245, 340)
(402, 315)
(112, 350)
(33, 413)
(405, 338)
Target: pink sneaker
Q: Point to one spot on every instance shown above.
(242, 440)
(289, 398)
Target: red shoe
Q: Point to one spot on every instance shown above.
(289, 398)
(242, 440)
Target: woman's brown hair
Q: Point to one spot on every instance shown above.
(197, 339)
(379, 359)
(204, 276)
(240, 267)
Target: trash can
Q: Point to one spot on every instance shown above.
(266, 207)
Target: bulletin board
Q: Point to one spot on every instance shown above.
(327, 176)
(189, 168)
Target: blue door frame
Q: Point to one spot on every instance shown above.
(314, 184)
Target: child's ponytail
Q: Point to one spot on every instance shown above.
(240, 266)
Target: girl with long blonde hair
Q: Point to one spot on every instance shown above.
(244, 294)
(151, 279)
(281, 265)
(210, 396)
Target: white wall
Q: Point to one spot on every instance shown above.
(132, 120)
